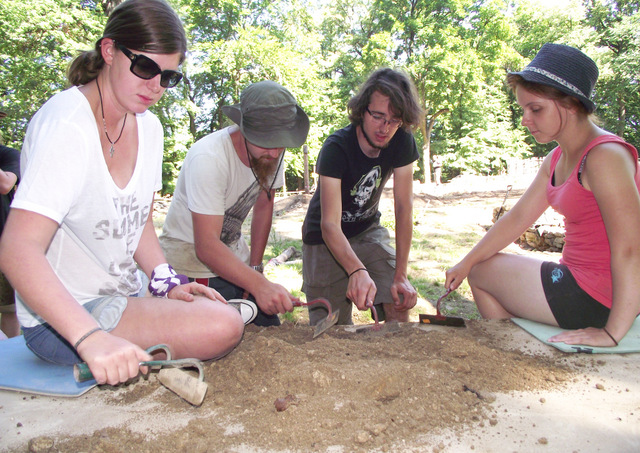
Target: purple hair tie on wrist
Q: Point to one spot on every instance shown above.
(164, 279)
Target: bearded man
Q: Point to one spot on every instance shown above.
(223, 176)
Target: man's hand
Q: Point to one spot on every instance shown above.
(361, 290)
(273, 298)
(402, 287)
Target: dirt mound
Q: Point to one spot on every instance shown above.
(348, 388)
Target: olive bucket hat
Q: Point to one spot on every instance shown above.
(269, 116)
(566, 69)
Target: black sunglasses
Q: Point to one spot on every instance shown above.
(145, 68)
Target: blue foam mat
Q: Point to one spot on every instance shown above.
(630, 342)
(22, 371)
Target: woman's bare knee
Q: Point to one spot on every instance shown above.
(476, 276)
(222, 332)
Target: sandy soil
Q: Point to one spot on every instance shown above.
(488, 387)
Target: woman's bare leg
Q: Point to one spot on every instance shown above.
(507, 286)
(203, 329)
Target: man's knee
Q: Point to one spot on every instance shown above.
(392, 314)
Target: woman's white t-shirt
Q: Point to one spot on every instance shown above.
(65, 177)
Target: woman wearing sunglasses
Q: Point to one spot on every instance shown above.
(81, 225)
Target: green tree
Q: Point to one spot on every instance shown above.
(40, 38)
(248, 42)
(617, 34)
(456, 51)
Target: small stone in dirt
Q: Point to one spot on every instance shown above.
(378, 429)
(19, 425)
(363, 437)
(600, 386)
(543, 441)
(543, 400)
(282, 404)
(40, 444)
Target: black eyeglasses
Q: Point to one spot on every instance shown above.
(380, 119)
(145, 68)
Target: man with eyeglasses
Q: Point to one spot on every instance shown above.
(224, 176)
(347, 255)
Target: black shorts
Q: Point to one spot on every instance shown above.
(572, 307)
(230, 291)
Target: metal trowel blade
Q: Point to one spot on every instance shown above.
(184, 385)
(442, 320)
(329, 321)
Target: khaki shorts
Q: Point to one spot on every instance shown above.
(7, 296)
(324, 277)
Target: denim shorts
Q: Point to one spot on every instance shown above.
(572, 307)
(49, 345)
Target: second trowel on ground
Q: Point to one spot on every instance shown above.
(439, 319)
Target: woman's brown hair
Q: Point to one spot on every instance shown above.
(144, 25)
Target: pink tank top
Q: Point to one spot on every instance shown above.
(586, 251)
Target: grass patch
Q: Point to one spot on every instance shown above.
(442, 235)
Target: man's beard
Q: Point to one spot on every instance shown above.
(370, 142)
(264, 169)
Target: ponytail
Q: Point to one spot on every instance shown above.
(85, 67)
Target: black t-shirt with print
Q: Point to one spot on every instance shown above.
(363, 179)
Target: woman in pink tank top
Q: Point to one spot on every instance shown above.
(592, 179)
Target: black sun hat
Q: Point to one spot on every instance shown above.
(566, 69)
(269, 116)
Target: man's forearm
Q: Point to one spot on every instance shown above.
(260, 227)
(404, 235)
(340, 248)
(7, 181)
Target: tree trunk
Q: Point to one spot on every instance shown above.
(305, 152)
(426, 149)
(622, 115)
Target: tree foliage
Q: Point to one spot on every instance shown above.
(40, 38)
(457, 52)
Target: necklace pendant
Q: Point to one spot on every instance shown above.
(111, 150)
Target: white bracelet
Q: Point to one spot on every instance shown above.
(164, 279)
